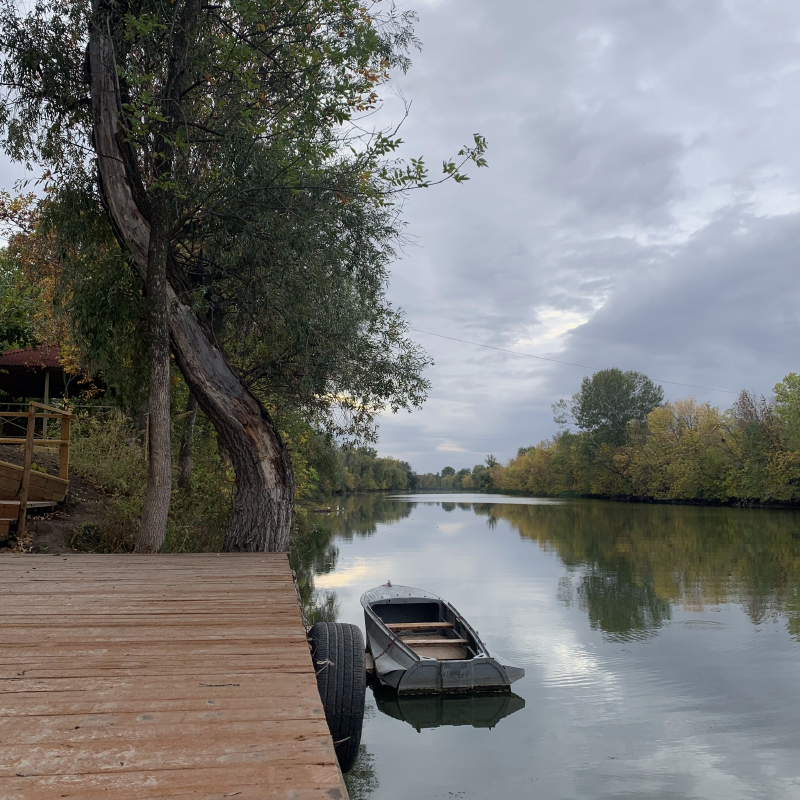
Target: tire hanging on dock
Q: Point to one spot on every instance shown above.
(337, 650)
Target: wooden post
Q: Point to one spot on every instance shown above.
(46, 401)
(63, 450)
(26, 472)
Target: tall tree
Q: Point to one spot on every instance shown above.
(212, 125)
(607, 402)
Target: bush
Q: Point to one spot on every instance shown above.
(107, 449)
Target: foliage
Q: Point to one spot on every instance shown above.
(787, 407)
(479, 478)
(683, 451)
(107, 449)
(363, 471)
(282, 202)
(16, 329)
(607, 402)
(85, 299)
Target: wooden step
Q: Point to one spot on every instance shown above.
(9, 509)
(417, 626)
(434, 641)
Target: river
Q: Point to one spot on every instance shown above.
(661, 646)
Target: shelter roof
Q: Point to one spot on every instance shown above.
(32, 357)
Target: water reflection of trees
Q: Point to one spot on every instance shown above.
(360, 514)
(315, 553)
(631, 562)
(362, 780)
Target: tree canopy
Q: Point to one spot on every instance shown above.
(608, 401)
(223, 151)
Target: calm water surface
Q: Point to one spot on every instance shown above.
(661, 646)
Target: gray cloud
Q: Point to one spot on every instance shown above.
(640, 209)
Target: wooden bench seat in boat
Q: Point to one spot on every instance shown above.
(417, 626)
(438, 647)
(432, 641)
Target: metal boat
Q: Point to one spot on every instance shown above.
(420, 644)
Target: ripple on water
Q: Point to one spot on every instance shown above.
(703, 624)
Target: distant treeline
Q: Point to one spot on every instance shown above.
(477, 479)
(631, 444)
(361, 470)
(619, 439)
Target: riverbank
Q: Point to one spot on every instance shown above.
(730, 503)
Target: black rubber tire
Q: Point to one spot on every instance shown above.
(337, 650)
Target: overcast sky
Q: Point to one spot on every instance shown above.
(641, 208)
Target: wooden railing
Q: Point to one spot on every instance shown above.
(29, 441)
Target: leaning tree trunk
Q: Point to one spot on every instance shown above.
(187, 441)
(264, 502)
(153, 525)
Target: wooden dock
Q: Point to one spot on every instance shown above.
(129, 677)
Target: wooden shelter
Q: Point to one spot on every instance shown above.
(33, 372)
(21, 486)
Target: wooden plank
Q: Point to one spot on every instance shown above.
(433, 641)
(44, 704)
(183, 753)
(445, 653)
(281, 659)
(45, 480)
(58, 411)
(225, 648)
(37, 442)
(83, 727)
(136, 678)
(10, 473)
(264, 782)
(9, 487)
(39, 415)
(31, 504)
(417, 626)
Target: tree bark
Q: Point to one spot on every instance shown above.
(187, 439)
(264, 502)
(153, 525)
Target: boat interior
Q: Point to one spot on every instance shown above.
(429, 628)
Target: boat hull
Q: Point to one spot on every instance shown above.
(403, 668)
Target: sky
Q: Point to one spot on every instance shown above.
(641, 209)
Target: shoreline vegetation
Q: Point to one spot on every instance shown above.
(680, 452)
(632, 446)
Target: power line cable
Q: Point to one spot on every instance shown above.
(557, 361)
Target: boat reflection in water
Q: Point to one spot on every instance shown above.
(432, 711)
